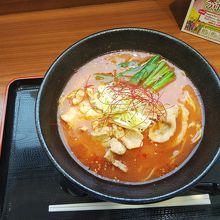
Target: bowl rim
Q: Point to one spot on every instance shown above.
(87, 189)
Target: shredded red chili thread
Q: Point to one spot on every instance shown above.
(137, 97)
(87, 85)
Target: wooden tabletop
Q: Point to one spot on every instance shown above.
(30, 41)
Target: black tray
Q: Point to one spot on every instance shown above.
(29, 183)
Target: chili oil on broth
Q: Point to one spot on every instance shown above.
(150, 161)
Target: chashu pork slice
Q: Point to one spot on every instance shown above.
(163, 130)
(132, 139)
(71, 116)
(117, 147)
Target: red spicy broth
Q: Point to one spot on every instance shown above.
(152, 159)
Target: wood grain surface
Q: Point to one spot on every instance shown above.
(17, 6)
(29, 42)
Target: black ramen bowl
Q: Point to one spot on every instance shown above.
(198, 70)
